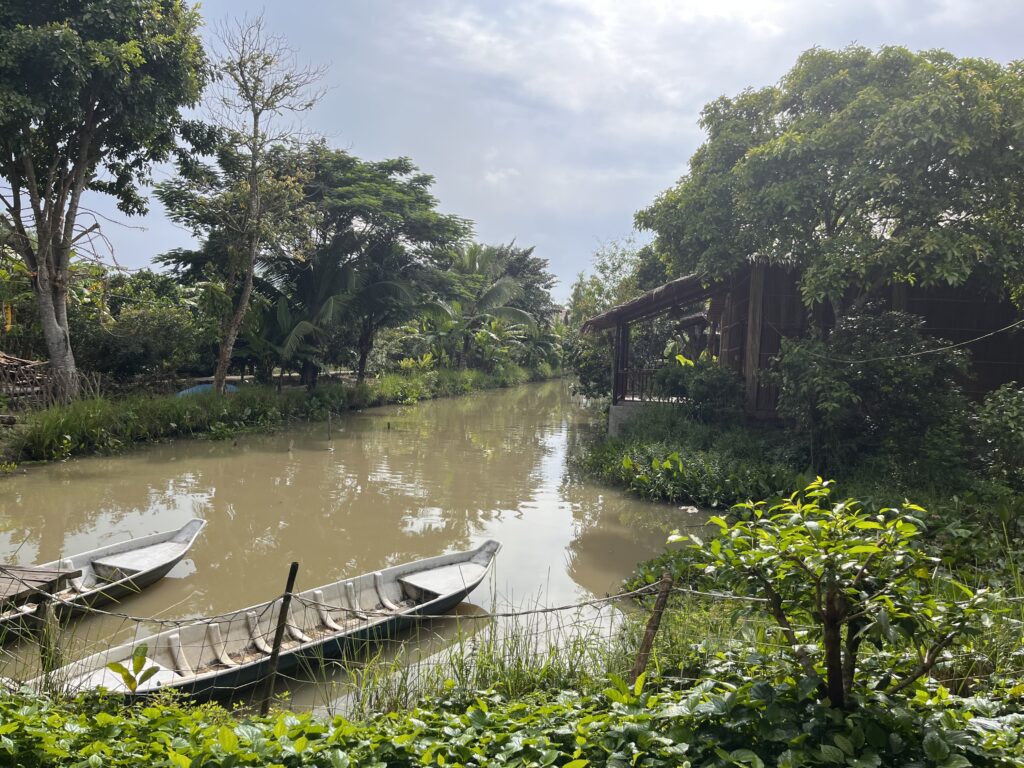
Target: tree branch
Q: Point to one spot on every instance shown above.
(775, 606)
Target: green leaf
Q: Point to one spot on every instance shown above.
(747, 757)
(956, 761)
(832, 754)
(148, 673)
(576, 764)
(935, 748)
(844, 744)
(227, 739)
(139, 658)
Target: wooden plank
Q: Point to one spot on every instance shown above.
(20, 582)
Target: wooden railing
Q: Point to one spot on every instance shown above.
(636, 384)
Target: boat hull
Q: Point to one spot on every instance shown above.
(232, 682)
(219, 656)
(15, 625)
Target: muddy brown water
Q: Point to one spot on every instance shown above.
(390, 485)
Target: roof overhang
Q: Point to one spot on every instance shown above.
(677, 293)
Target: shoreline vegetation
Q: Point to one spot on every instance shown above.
(107, 425)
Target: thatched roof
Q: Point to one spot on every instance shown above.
(677, 293)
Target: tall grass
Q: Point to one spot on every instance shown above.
(536, 652)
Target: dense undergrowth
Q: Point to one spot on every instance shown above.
(665, 454)
(753, 723)
(107, 425)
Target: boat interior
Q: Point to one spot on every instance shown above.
(245, 637)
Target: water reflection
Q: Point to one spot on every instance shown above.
(393, 484)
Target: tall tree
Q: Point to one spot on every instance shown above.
(380, 219)
(864, 169)
(91, 94)
(245, 197)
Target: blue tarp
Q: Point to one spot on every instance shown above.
(200, 388)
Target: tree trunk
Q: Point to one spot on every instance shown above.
(51, 295)
(365, 346)
(853, 640)
(227, 344)
(834, 649)
(310, 373)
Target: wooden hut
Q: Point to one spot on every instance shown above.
(749, 313)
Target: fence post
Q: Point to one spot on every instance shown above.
(275, 651)
(647, 643)
(49, 647)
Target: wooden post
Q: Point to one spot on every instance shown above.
(624, 360)
(616, 350)
(647, 643)
(275, 651)
(755, 316)
(49, 648)
(328, 425)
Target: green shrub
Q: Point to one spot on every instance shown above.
(665, 453)
(877, 387)
(709, 391)
(589, 359)
(706, 478)
(999, 428)
(753, 722)
(845, 578)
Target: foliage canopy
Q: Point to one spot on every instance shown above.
(863, 169)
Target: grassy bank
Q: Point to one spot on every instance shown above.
(665, 454)
(538, 692)
(100, 425)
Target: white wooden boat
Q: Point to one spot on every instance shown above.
(109, 574)
(219, 656)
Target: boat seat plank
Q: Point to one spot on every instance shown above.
(20, 582)
(135, 560)
(446, 579)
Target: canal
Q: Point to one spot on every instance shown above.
(387, 485)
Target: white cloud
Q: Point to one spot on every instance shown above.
(552, 121)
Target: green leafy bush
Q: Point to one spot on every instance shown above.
(999, 427)
(709, 391)
(877, 388)
(667, 454)
(589, 359)
(833, 577)
(752, 723)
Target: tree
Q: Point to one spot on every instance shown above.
(252, 187)
(864, 169)
(90, 96)
(832, 576)
(380, 220)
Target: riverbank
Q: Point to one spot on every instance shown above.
(101, 425)
(665, 454)
(707, 725)
(717, 693)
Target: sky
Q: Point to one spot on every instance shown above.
(552, 122)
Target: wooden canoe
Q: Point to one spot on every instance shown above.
(219, 656)
(108, 574)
